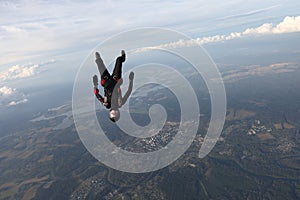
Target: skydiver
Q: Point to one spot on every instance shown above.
(112, 99)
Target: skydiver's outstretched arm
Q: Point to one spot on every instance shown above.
(131, 77)
(98, 96)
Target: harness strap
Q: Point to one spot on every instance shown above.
(107, 93)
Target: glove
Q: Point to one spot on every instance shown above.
(95, 80)
(131, 76)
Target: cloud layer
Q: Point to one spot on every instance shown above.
(258, 70)
(43, 28)
(288, 25)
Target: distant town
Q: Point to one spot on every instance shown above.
(258, 127)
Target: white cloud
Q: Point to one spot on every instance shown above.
(11, 97)
(14, 103)
(288, 25)
(24, 71)
(6, 91)
(18, 72)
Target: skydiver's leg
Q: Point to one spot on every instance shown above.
(117, 73)
(101, 67)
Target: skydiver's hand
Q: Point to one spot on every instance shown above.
(95, 80)
(131, 76)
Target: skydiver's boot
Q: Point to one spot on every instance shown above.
(123, 55)
(97, 54)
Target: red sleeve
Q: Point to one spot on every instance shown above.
(98, 96)
(102, 82)
(96, 91)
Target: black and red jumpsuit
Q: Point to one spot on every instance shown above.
(112, 99)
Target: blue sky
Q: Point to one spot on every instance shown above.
(39, 36)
